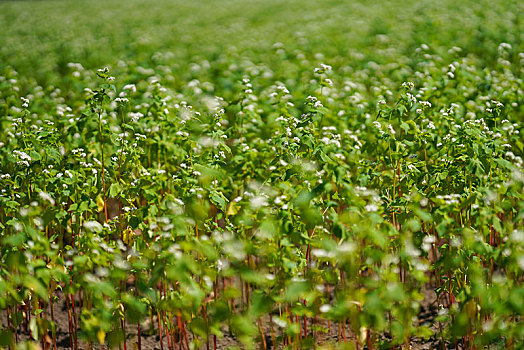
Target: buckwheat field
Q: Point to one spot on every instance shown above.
(270, 174)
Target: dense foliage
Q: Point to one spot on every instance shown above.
(284, 171)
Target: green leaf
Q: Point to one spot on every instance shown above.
(15, 240)
(114, 189)
(496, 224)
(218, 199)
(12, 204)
(6, 338)
(35, 156)
(504, 163)
(134, 222)
(33, 327)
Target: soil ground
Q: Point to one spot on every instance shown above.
(150, 340)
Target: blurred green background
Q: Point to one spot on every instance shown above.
(38, 38)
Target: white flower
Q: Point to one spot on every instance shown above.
(270, 277)
(135, 116)
(222, 264)
(258, 202)
(178, 201)
(391, 130)
(408, 85)
(121, 100)
(322, 253)
(324, 308)
(411, 97)
(328, 68)
(503, 46)
(93, 226)
(371, 207)
(22, 155)
(311, 98)
(427, 242)
(324, 68)
(130, 87)
(26, 102)
(46, 197)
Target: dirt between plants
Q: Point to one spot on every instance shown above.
(150, 340)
